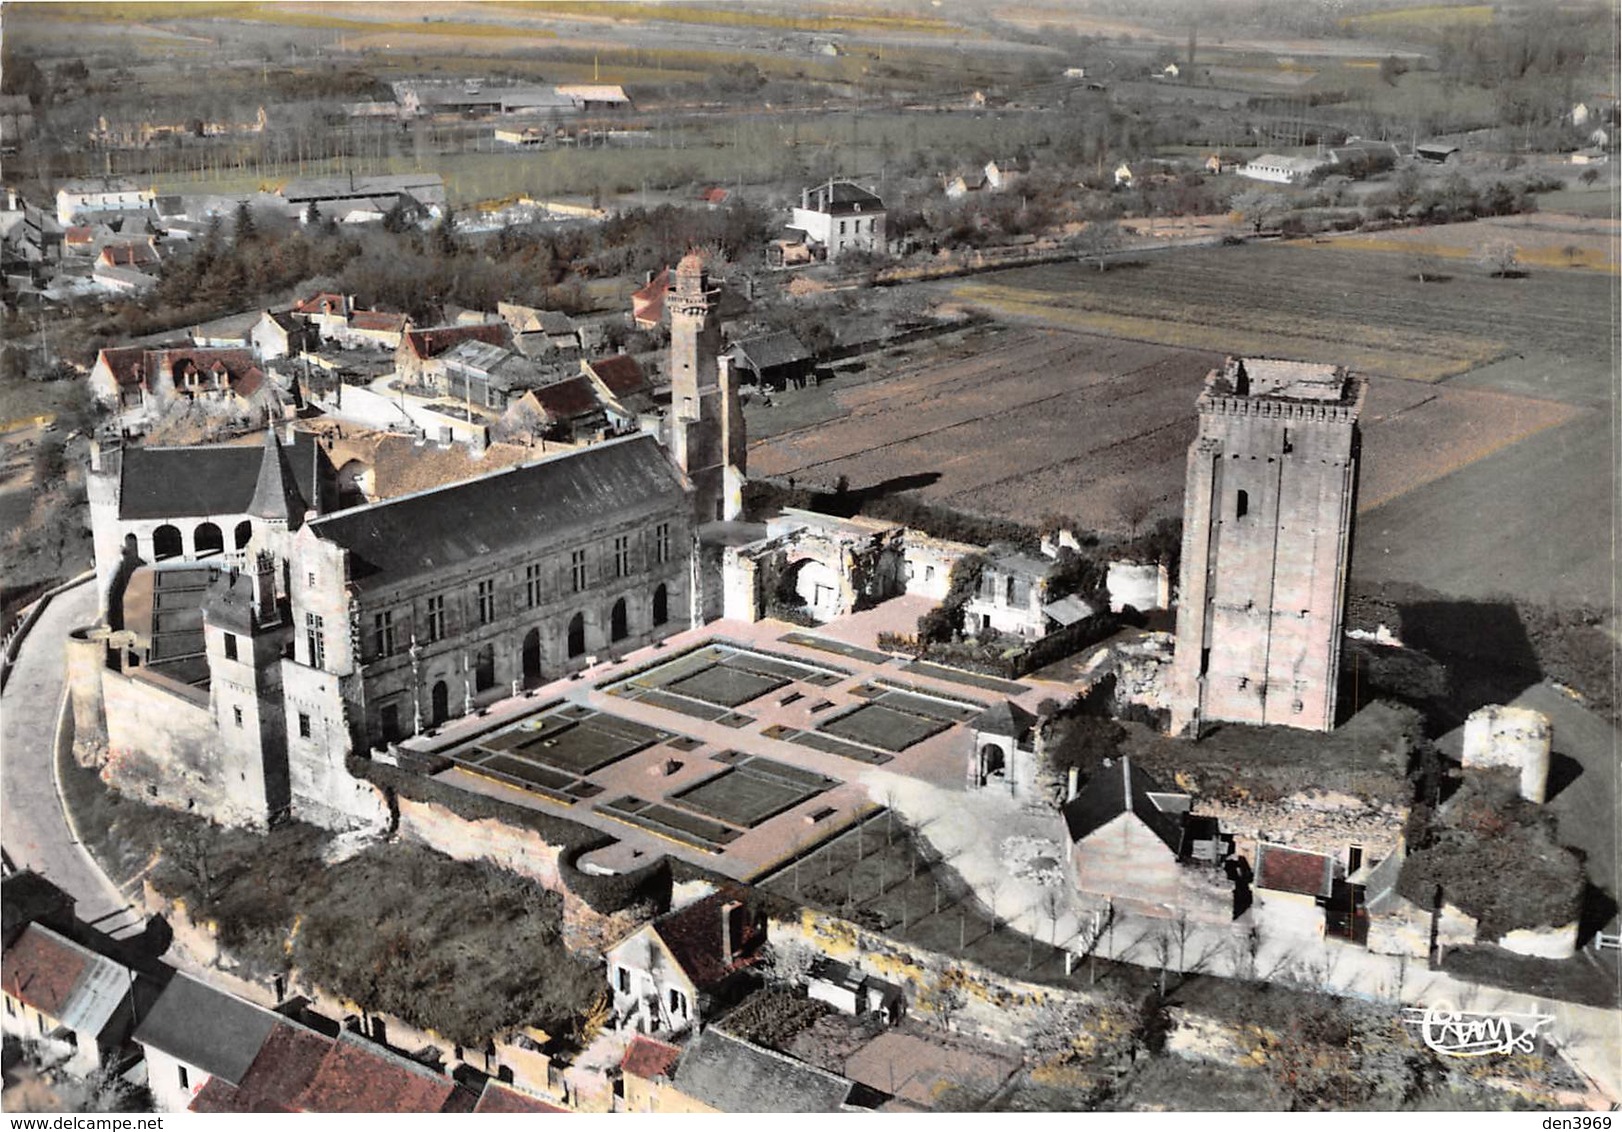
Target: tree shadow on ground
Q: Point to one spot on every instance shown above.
(845, 501)
(1598, 912)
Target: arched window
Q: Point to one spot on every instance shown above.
(577, 635)
(1241, 504)
(484, 668)
(618, 622)
(532, 657)
(661, 605)
(166, 542)
(244, 532)
(207, 539)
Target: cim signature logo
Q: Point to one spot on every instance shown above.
(1464, 1033)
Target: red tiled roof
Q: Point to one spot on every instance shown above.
(41, 971)
(693, 936)
(133, 253)
(376, 320)
(620, 373)
(1294, 870)
(501, 1098)
(313, 304)
(78, 234)
(714, 196)
(282, 1069)
(435, 340)
(648, 302)
(566, 400)
(357, 1078)
(125, 363)
(648, 1058)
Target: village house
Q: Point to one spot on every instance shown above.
(840, 217)
(540, 333)
(335, 197)
(569, 410)
(667, 976)
(851, 991)
(137, 381)
(1013, 597)
(76, 199)
(1003, 174)
(195, 1034)
(281, 334)
(79, 1005)
(623, 388)
(420, 358)
(648, 301)
(717, 1072)
(1136, 845)
(960, 185)
(486, 375)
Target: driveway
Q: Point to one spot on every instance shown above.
(36, 834)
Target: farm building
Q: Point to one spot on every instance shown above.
(1279, 170)
(772, 361)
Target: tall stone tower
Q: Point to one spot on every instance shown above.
(707, 439)
(1267, 525)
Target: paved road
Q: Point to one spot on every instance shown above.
(34, 830)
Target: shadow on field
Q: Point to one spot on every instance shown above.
(845, 501)
(1457, 656)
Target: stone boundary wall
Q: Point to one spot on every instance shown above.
(993, 1006)
(18, 633)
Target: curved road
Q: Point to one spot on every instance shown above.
(34, 831)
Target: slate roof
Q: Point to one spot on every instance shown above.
(63, 979)
(1115, 790)
(732, 1075)
(428, 532)
(693, 937)
(772, 350)
(435, 340)
(275, 491)
(503, 1098)
(207, 479)
(621, 374)
(350, 188)
(219, 1033)
(838, 198)
(648, 1058)
(1294, 870)
(1005, 718)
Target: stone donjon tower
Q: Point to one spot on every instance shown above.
(707, 439)
(1267, 524)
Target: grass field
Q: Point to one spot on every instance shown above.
(1543, 241)
(1314, 302)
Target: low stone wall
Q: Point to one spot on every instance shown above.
(991, 1005)
(521, 851)
(1542, 943)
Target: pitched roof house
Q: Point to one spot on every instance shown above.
(774, 361)
(64, 995)
(195, 1033)
(1130, 841)
(666, 975)
(648, 301)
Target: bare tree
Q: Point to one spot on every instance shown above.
(1135, 502)
(192, 852)
(1052, 906)
(786, 964)
(1501, 258)
(1427, 267)
(1097, 240)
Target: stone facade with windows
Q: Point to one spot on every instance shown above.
(429, 606)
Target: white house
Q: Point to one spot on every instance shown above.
(99, 194)
(193, 1034)
(840, 217)
(665, 976)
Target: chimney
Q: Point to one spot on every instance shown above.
(95, 455)
(1071, 789)
(729, 909)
